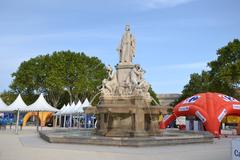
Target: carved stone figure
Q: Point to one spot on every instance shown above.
(127, 47)
(110, 72)
(128, 79)
(109, 85)
(136, 75)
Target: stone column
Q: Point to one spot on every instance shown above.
(139, 122)
(101, 121)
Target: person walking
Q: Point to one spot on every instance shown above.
(20, 123)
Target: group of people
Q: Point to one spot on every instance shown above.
(4, 122)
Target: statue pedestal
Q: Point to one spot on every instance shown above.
(123, 73)
(128, 116)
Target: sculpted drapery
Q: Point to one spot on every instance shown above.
(127, 47)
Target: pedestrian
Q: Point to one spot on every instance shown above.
(20, 123)
(10, 123)
(4, 123)
(0, 123)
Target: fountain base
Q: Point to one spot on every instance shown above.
(86, 136)
(128, 116)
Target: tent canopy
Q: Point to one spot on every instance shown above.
(18, 104)
(41, 105)
(3, 106)
(65, 110)
(79, 107)
(71, 109)
(60, 111)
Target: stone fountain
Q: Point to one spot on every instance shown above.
(124, 114)
(124, 109)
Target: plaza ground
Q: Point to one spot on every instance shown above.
(28, 146)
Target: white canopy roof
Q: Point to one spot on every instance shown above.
(86, 103)
(18, 104)
(3, 106)
(60, 111)
(65, 110)
(41, 105)
(71, 109)
(74, 109)
(78, 107)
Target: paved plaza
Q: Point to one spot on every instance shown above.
(28, 146)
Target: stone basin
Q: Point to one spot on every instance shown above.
(87, 136)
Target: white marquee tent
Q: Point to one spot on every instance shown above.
(41, 105)
(61, 110)
(18, 105)
(85, 104)
(3, 106)
(78, 107)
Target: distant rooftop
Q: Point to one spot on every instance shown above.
(167, 99)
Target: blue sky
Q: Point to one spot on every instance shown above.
(174, 37)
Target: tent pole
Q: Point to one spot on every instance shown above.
(64, 121)
(85, 120)
(70, 119)
(56, 119)
(42, 121)
(17, 121)
(38, 120)
(60, 120)
(92, 119)
(79, 120)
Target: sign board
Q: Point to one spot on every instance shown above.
(228, 98)
(200, 116)
(236, 106)
(192, 99)
(181, 120)
(166, 117)
(236, 149)
(222, 115)
(183, 109)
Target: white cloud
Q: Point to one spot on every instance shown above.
(154, 4)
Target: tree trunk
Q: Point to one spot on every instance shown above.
(70, 96)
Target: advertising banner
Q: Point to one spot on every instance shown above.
(236, 149)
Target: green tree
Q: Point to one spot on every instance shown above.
(155, 100)
(60, 72)
(8, 97)
(223, 75)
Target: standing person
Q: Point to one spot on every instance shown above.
(0, 123)
(10, 123)
(4, 123)
(20, 123)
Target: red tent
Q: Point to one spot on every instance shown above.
(209, 107)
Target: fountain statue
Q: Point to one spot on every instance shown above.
(124, 108)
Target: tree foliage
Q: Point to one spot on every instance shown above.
(60, 72)
(155, 100)
(223, 75)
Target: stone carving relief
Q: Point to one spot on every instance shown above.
(109, 85)
(134, 85)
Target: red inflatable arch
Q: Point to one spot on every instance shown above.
(209, 107)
